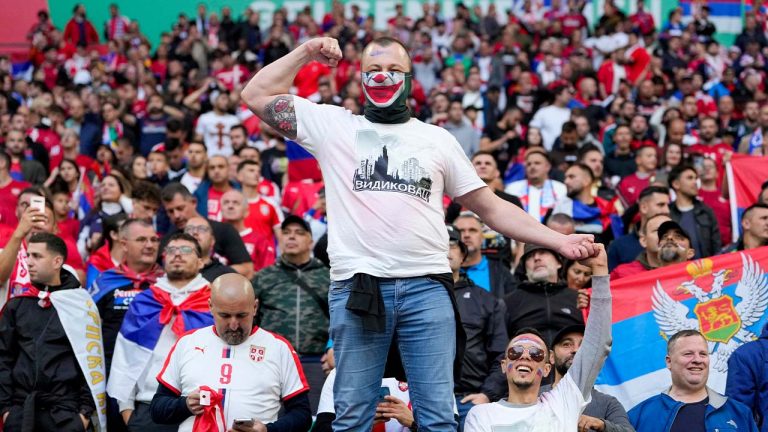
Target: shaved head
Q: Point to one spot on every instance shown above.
(233, 306)
(232, 286)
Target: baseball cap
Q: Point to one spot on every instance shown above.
(531, 248)
(574, 328)
(293, 219)
(454, 237)
(672, 225)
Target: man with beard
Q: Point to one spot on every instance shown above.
(674, 244)
(603, 413)
(23, 167)
(197, 161)
(154, 126)
(200, 229)
(386, 174)
(591, 213)
(650, 256)
(755, 143)
(527, 363)
(254, 371)
(213, 127)
(156, 319)
(210, 191)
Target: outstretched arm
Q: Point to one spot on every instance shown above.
(266, 94)
(597, 335)
(514, 222)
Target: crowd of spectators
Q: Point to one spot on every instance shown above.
(620, 129)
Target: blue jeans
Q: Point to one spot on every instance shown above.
(420, 316)
(463, 409)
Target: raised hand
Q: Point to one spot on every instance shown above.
(326, 50)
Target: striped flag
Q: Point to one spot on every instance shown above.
(724, 297)
(745, 176)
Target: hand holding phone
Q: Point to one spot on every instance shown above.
(37, 202)
(205, 398)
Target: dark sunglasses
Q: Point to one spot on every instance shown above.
(516, 351)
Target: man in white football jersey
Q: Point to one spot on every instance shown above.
(232, 374)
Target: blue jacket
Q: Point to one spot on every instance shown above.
(748, 377)
(656, 414)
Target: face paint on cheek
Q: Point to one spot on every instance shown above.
(540, 372)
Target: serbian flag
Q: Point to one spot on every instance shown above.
(84, 195)
(149, 313)
(301, 164)
(745, 176)
(724, 297)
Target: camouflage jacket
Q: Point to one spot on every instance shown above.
(298, 313)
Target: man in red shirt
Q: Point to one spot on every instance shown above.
(10, 190)
(263, 216)
(710, 146)
(710, 193)
(631, 185)
(234, 208)
(209, 192)
(573, 20)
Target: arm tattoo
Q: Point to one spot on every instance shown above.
(281, 115)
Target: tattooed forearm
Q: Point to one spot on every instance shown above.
(281, 115)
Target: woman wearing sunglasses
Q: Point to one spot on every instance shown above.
(527, 363)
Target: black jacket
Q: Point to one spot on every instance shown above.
(482, 316)
(547, 307)
(708, 230)
(502, 281)
(214, 269)
(37, 360)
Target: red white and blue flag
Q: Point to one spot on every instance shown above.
(724, 297)
(746, 175)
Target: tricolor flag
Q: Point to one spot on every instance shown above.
(84, 195)
(726, 15)
(745, 176)
(724, 297)
(147, 316)
(301, 164)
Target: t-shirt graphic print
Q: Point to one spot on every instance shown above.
(386, 166)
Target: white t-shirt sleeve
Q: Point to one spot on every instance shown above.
(566, 400)
(317, 122)
(200, 128)
(293, 381)
(460, 177)
(170, 375)
(326, 395)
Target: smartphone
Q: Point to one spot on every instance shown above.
(205, 398)
(37, 202)
(243, 422)
(383, 392)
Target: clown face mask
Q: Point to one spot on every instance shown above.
(386, 94)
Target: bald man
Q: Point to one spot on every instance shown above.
(217, 376)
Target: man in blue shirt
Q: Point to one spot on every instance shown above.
(689, 405)
(489, 274)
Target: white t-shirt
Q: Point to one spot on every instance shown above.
(396, 388)
(384, 190)
(550, 120)
(190, 182)
(214, 129)
(253, 377)
(555, 411)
